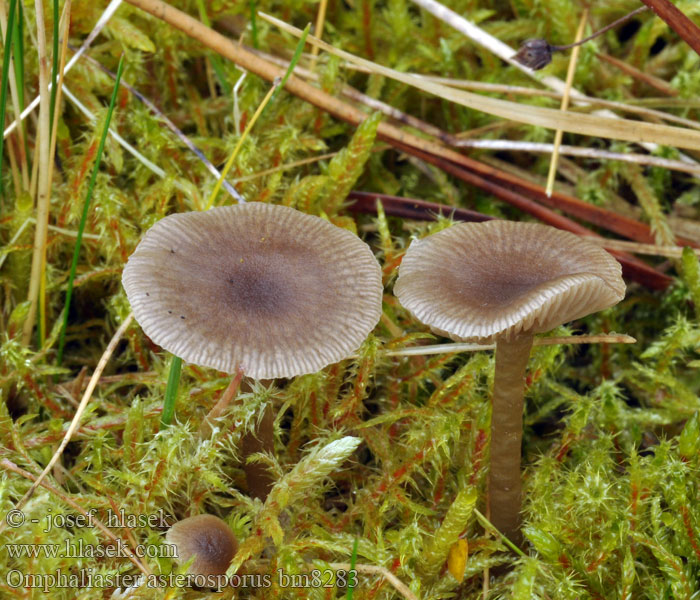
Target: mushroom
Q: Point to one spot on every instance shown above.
(260, 287)
(503, 282)
(206, 537)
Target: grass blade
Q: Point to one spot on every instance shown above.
(254, 22)
(5, 78)
(215, 59)
(86, 206)
(353, 579)
(171, 391)
(295, 59)
(18, 55)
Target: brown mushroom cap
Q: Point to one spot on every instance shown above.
(209, 539)
(263, 287)
(482, 281)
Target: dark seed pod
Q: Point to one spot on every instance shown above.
(534, 53)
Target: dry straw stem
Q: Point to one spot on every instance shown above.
(595, 153)
(565, 102)
(101, 22)
(42, 215)
(603, 338)
(318, 30)
(592, 125)
(499, 88)
(79, 412)
(637, 248)
(10, 466)
(241, 140)
(64, 26)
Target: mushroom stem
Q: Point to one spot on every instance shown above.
(258, 477)
(507, 433)
(207, 427)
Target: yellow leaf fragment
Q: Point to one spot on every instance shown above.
(457, 559)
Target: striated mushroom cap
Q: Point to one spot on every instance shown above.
(265, 287)
(206, 537)
(482, 281)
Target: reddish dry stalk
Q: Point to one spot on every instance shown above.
(410, 208)
(209, 422)
(632, 268)
(677, 21)
(655, 82)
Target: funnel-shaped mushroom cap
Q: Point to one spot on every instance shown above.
(262, 287)
(482, 281)
(207, 538)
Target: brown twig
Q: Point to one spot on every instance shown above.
(608, 27)
(655, 82)
(411, 208)
(596, 215)
(677, 21)
(632, 268)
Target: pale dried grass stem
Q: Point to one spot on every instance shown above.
(104, 359)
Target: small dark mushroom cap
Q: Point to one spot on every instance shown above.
(209, 539)
(483, 281)
(263, 287)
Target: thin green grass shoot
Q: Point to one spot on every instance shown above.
(353, 561)
(295, 59)
(171, 391)
(86, 207)
(271, 95)
(215, 59)
(18, 55)
(5, 79)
